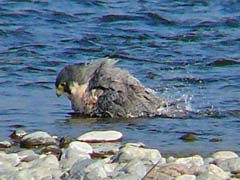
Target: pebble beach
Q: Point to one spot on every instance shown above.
(102, 155)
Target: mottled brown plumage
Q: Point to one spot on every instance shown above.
(99, 89)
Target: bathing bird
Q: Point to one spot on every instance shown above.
(101, 89)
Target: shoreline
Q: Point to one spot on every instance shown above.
(102, 155)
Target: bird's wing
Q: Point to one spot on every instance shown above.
(123, 95)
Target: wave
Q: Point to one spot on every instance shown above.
(223, 62)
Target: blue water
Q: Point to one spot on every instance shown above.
(184, 50)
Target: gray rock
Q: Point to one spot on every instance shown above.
(129, 152)
(138, 144)
(27, 155)
(38, 138)
(127, 177)
(162, 176)
(191, 161)
(208, 160)
(173, 169)
(44, 173)
(48, 161)
(96, 170)
(46, 166)
(5, 144)
(52, 149)
(105, 149)
(101, 136)
(186, 177)
(81, 147)
(232, 165)
(19, 175)
(18, 134)
(74, 153)
(110, 168)
(12, 158)
(135, 167)
(224, 155)
(214, 173)
(78, 168)
(170, 159)
(6, 169)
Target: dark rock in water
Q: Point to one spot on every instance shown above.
(216, 140)
(151, 75)
(18, 134)
(189, 137)
(37, 139)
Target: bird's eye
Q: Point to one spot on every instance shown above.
(63, 84)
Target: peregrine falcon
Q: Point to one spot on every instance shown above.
(100, 89)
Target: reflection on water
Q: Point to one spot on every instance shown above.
(186, 51)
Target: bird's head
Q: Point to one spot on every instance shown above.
(70, 77)
(74, 80)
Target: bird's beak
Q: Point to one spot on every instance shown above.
(59, 91)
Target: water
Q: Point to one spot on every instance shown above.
(186, 50)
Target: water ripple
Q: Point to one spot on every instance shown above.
(119, 17)
(223, 62)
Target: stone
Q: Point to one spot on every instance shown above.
(138, 144)
(81, 147)
(27, 155)
(20, 175)
(46, 166)
(213, 173)
(12, 158)
(6, 169)
(209, 160)
(36, 139)
(95, 170)
(189, 137)
(101, 150)
(232, 165)
(18, 134)
(135, 167)
(127, 177)
(52, 149)
(173, 169)
(5, 144)
(70, 156)
(186, 177)
(215, 140)
(45, 173)
(222, 155)
(191, 161)
(129, 152)
(77, 170)
(100, 136)
(170, 159)
(158, 176)
(49, 161)
(109, 168)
